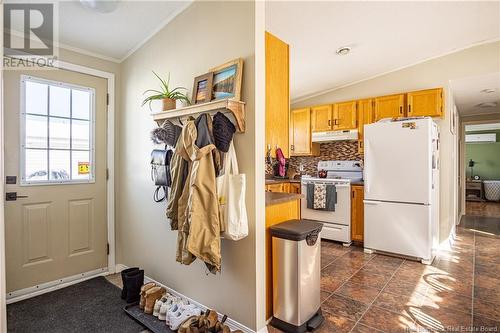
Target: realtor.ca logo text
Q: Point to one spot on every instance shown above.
(29, 35)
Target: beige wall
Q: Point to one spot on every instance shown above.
(434, 73)
(203, 36)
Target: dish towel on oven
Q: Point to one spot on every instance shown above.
(319, 196)
(329, 197)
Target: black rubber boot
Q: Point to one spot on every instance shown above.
(134, 282)
(124, 273)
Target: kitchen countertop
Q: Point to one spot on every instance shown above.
(279, 180)
(273, 198)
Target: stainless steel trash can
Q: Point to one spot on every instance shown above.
(296, 251)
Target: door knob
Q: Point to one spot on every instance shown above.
(12, 196)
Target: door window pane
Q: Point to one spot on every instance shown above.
(80, 165)
(59, 101)
(59, 129)
(81, 134)
(80, 103)
(59, 161)
(36, 164)
(36, 98)
(36, 131)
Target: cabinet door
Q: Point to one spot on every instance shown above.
(425, 103)
(300, 131)
(277, 95)
(295, 188)
(365, 116)
(389, 106)
(275, 187)
(344, 116)
(357, 213)
(321, 118)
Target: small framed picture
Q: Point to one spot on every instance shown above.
(202, 89)
(227, 80)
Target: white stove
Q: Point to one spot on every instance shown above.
(336, 224)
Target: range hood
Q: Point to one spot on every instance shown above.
(335, 136)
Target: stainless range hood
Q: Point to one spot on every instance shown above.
(335, 136)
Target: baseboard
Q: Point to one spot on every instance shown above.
(43, 288)
(233, 324)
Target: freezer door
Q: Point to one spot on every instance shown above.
(398, 161)
(404, 229)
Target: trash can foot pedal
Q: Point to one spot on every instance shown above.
(315, 321)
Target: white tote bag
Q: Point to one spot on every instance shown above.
(231, 187)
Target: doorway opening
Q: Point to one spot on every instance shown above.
(482, 170)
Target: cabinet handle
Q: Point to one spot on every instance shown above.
(409, 108)
(400, 110)
(329, 122)
(292, 147)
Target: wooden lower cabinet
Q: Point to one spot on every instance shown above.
(275, 187)
(276, 214)
(294, 188)
(357, 213)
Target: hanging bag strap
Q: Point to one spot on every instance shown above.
(156, 195)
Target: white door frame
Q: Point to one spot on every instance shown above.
(110, 186)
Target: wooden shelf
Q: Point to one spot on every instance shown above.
(234, 109)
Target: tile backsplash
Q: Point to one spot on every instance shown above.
(336, 150)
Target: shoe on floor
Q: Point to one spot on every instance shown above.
(144, 289)
(167, 305)
(133, 282)
(124, 286)
(151, 296)
(159, 303)
(176, 305)
(183, 314)
(190, 325)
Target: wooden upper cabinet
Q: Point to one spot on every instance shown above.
(321, 118)
(357, 213)
(300, 134)
(277, 95)
(425, 103)
(391, 106)
(344, 116)
(365, 116)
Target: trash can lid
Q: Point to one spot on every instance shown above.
(296, 230)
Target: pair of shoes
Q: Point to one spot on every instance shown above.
(169, 304)
(159, 303)
(207, 322)
(181, 313)
(132, 279)
(144, 289)
(153, 294)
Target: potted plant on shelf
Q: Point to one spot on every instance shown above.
(167, 96)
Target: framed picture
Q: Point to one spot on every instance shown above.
(202, 89)
(227, 80)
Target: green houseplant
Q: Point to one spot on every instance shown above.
(167, 96)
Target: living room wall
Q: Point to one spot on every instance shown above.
(486, 157)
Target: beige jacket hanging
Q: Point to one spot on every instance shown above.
(199, 224)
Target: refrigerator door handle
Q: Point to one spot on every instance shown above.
(366, 175)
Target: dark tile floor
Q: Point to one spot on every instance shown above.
(459, 292)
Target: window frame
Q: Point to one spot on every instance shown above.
(22, 132)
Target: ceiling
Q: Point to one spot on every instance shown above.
(468, 94)
(384, 36)
(113, 35)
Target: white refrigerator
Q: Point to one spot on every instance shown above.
(401, 180)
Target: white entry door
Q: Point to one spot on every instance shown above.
(55, 162)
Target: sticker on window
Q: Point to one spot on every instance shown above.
(83, 168)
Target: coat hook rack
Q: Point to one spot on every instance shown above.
(235, 110)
